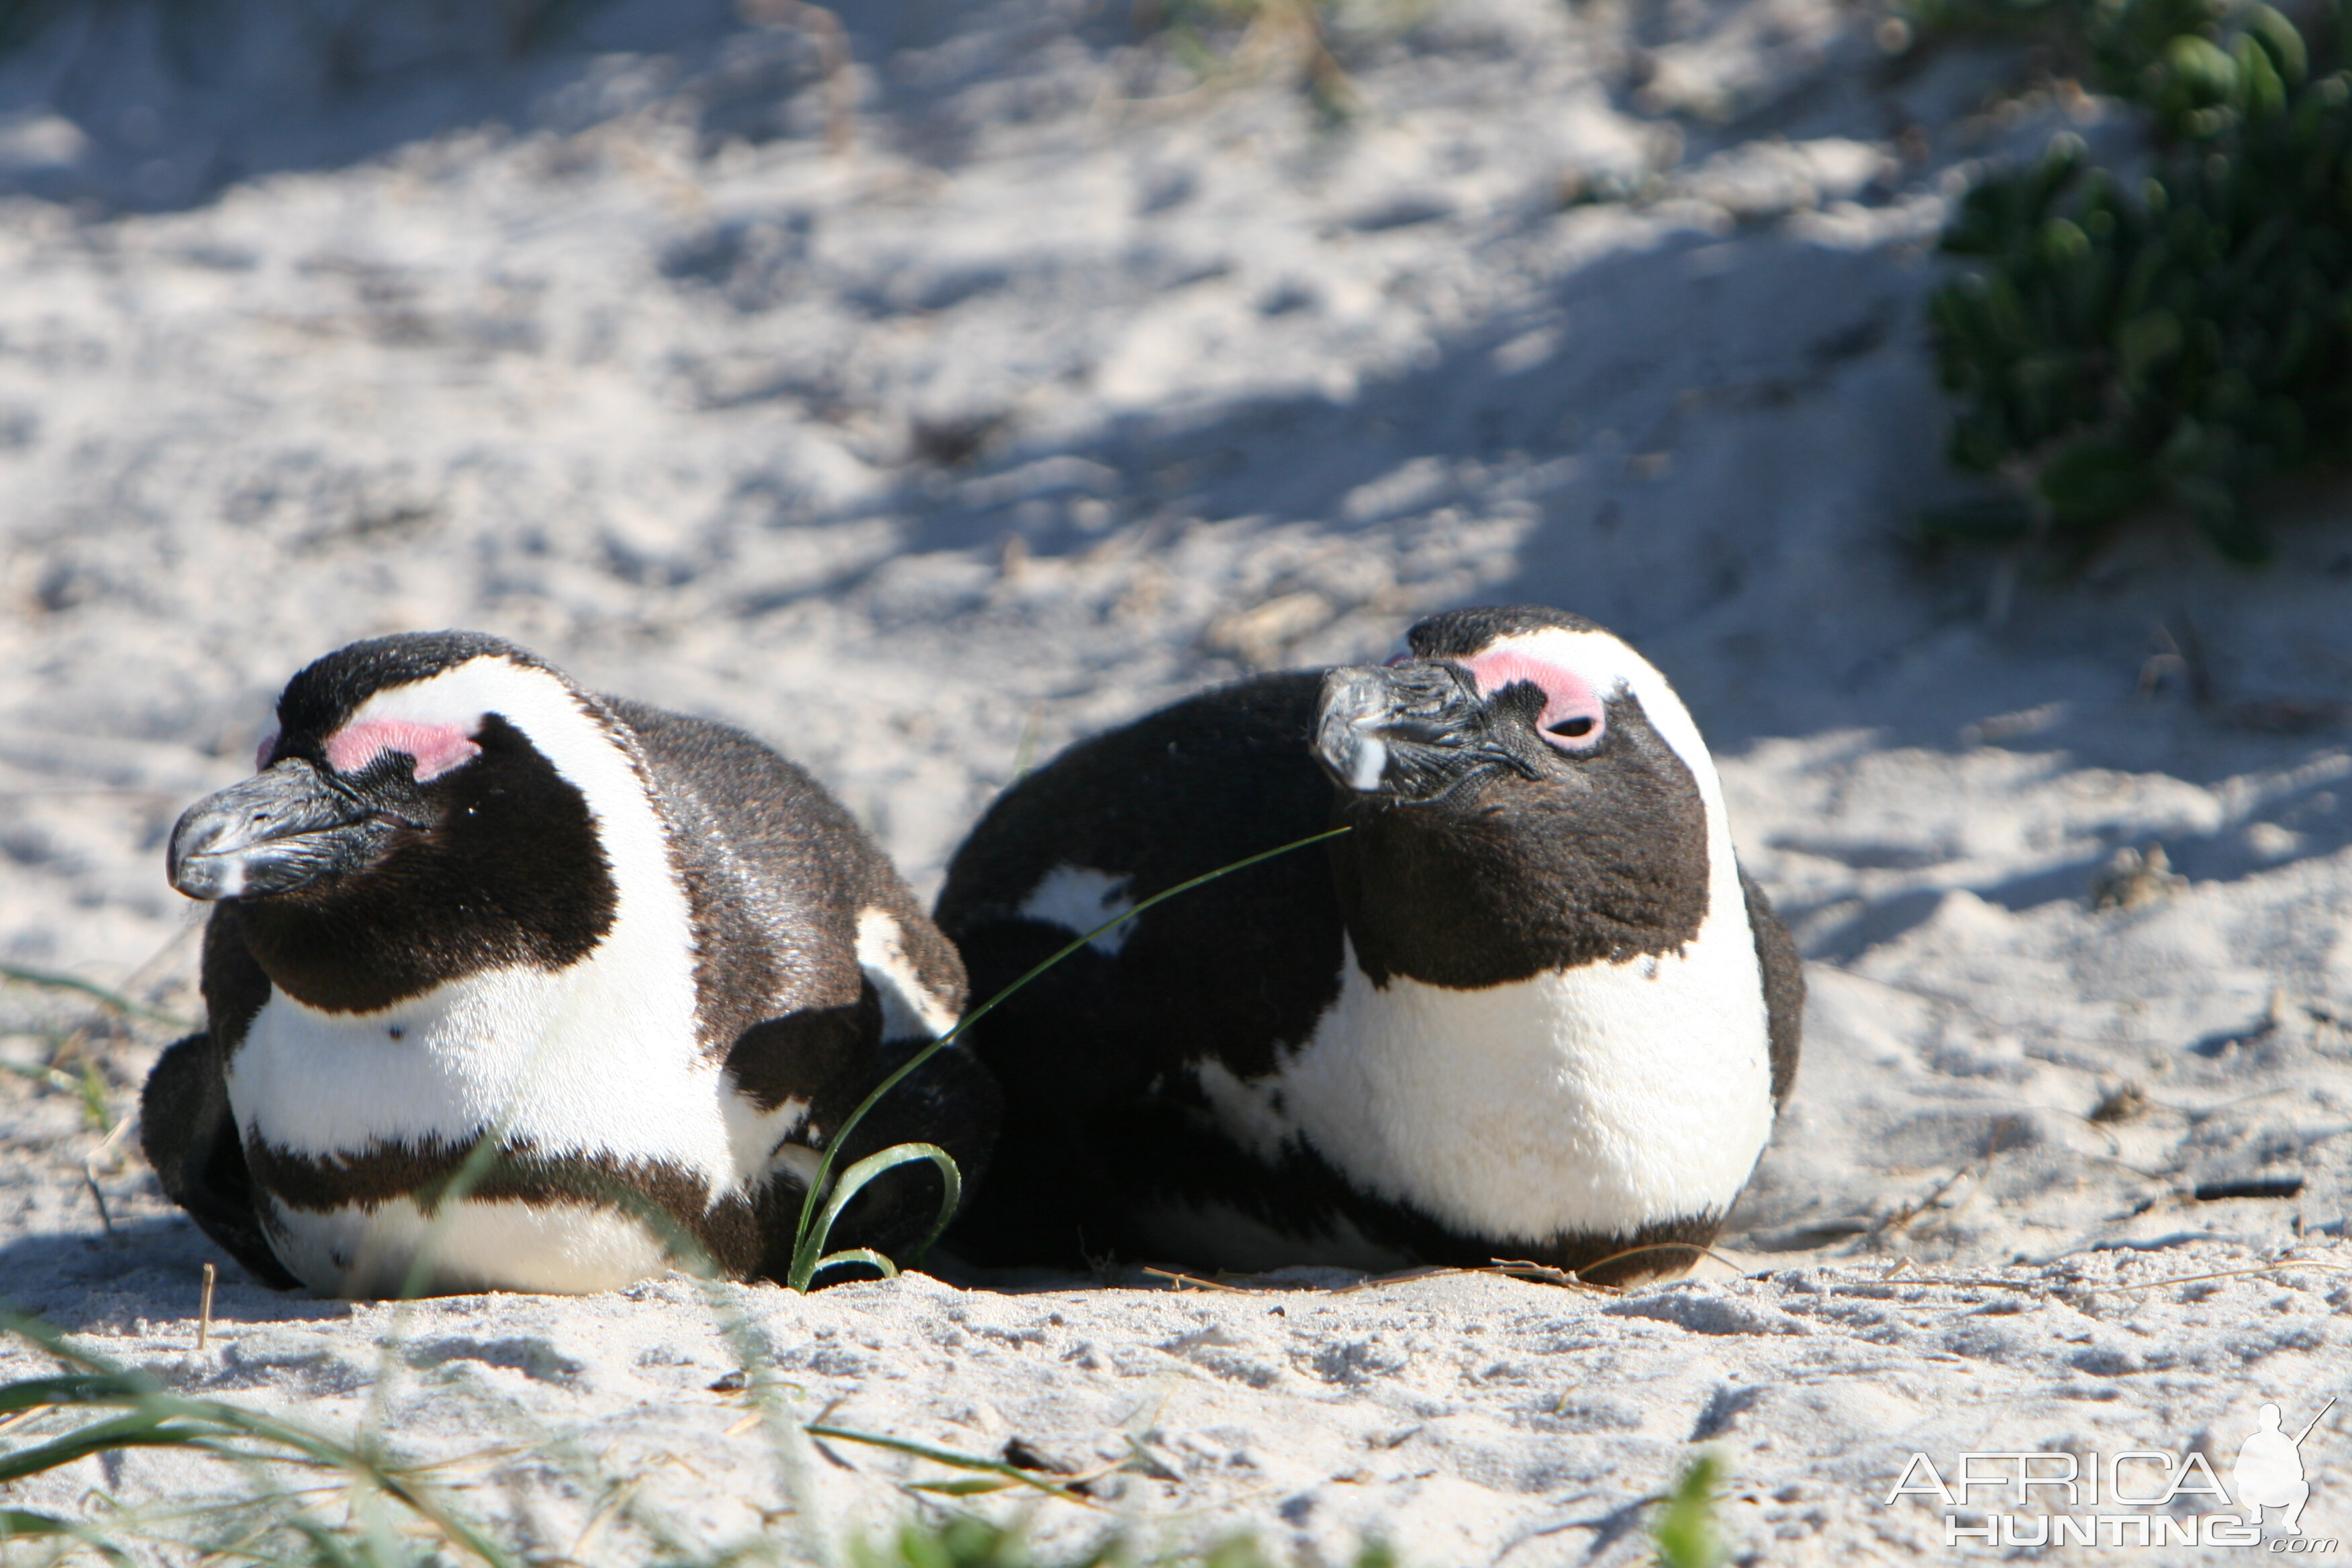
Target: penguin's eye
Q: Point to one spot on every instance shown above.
(1573, 723)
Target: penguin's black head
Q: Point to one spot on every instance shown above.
(424, 803)
(1527, 791)
(1519, 692)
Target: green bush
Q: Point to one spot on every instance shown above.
(2178, 344)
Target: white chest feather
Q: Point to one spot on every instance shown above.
(599, 1059)
(595, 1060)
(1592, 1100)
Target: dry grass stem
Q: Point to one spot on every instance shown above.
(205, 1309)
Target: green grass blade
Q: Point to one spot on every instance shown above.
(77, 1388)
(140, 1430)
(154, 1419)
(420, 1498)
(865, 1254)
(1010, 1473)
(17, 1524)
(47, 1077)
(818, 1187)
(113, 999)
(1687, 1532)
(805, 1257)
(64, 1350)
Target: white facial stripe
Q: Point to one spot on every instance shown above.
(1611, 667)
(1078, 898)
(651, 921)
(910, 1010)
(797, 1165)
(550, 713)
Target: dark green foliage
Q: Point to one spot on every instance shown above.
(2181, 344)
(2177, 56)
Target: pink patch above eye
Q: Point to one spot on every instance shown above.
(261, 752)
(437, 748)
(1573, 717)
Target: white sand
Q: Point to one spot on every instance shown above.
(547, 346)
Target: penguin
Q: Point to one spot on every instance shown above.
(643, 962)
(1527, 1007)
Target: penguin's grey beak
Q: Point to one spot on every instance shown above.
(278, 831)
(1412, 731)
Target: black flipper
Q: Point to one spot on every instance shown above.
(1784, 987)
(190, 1138)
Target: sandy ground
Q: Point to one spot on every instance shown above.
(1071, 385)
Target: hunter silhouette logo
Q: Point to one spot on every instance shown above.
(2133, 1496)
(2269, 1472)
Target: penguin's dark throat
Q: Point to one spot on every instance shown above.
(281, 831)
(1500, 878)
(1416, 734)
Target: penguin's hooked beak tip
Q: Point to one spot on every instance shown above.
(1409, 733)
(1347, 738)
(278, 831)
